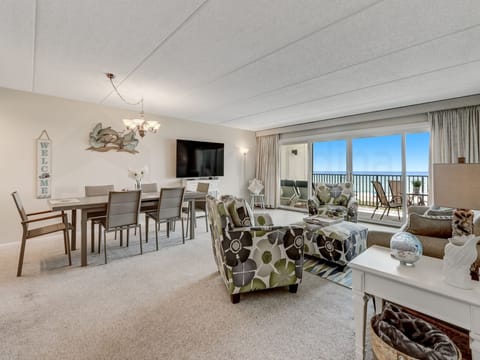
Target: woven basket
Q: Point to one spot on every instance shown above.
(383, 351)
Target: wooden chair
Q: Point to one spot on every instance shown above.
(123, 210)
(96, 190)
(41, 230)
(169, 210)
(383, 201)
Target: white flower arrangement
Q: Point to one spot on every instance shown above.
(137, 175)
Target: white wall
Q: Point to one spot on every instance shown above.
(24, 115)
(294, 167)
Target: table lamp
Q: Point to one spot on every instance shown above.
(458, 186)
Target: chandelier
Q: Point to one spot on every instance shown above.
(139, 125)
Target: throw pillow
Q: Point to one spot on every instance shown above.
(435, 226)
(323, 193)
(239, 212)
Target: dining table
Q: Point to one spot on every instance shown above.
(92, 204)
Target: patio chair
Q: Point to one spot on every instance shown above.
(302, 190)
(382, 201)
(396, 190)
(288, 194)
(29, 233)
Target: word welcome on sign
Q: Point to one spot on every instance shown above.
(44, 167)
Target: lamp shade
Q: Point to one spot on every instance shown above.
(457, 185)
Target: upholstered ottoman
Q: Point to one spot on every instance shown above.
(337, 243)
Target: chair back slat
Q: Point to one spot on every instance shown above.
(98, 190)
(170, 203)
(18, 203)
(149, 188)
(380, 192)
(123, 208)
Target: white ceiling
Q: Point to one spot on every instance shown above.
(251, 64)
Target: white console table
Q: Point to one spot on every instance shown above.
(420, 287)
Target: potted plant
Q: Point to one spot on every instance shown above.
(416, 186)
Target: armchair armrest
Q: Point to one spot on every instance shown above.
(43, 218)
(40, 212)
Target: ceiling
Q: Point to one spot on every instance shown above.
(250, 64)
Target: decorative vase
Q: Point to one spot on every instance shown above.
(416, 189)
(460, 253)
(406, 248)
(138, 185)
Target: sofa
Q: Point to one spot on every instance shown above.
(251, 254)
(334, 200)
(432, 227)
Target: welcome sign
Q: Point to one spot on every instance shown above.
(44, 166)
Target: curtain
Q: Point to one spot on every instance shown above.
(455, 133)
(267, 167)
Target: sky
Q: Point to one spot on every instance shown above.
(374, 154)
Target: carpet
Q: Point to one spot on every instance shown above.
(328, 271)
(167, 304)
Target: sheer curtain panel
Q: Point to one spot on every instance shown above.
(455, 133)
(267, 167)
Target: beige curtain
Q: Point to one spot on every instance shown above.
(268, 167)
(455, 133)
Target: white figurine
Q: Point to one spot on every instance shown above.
(460, 253)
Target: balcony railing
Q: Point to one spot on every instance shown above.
(365, 193)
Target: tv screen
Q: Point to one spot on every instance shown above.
(199, 159)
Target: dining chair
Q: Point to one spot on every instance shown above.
(169, 210)
(149, 205)
(200, 205)
(96, 190)
(29, 233)
(123, 212)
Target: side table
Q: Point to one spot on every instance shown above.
(420, 287)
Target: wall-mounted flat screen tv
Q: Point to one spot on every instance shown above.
(199, 159)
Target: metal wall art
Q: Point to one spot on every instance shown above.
(44, 166)
(106, 139)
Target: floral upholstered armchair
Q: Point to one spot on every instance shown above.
(249, 257)
(334, 200)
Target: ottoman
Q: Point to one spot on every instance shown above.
(338, 243)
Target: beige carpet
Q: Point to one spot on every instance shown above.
(169, 304)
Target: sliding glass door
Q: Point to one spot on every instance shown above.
(329, 162)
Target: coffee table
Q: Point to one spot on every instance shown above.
(420, 287)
